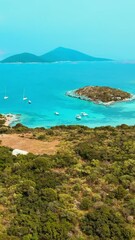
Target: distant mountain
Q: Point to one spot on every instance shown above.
(56, 55)
(66, 54)
(23, 58)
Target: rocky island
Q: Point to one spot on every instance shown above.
(100, 95)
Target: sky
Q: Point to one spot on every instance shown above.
(101, 28)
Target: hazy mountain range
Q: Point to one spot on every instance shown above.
(56, 55)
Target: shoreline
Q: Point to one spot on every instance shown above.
(11, 119)
(73, 94)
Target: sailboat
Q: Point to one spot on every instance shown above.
(78, 117)
(24, 97)
(5, 97)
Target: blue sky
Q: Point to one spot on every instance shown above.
(103, 28)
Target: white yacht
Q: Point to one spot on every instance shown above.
(25, 98)
(78, 117)
(84, 114)
(56, 113)
(5, 97)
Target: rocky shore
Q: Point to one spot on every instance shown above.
(10, 119)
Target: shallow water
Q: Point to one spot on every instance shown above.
(46, 84)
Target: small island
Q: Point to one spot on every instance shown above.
(101, 95)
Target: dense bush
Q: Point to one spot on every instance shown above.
(103, 149)
(105, 224)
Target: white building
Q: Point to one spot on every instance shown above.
(15, 152)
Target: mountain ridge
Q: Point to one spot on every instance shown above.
(56, 55)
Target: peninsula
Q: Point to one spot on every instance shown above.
(100, 95)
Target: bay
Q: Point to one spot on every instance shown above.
(46, 84)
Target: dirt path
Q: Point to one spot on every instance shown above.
(30, 145)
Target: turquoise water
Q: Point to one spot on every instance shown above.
(46, 84)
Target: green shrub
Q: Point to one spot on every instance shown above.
(86, 203)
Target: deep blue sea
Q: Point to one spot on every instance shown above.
(46, 84)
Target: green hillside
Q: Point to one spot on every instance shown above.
(86, 191)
